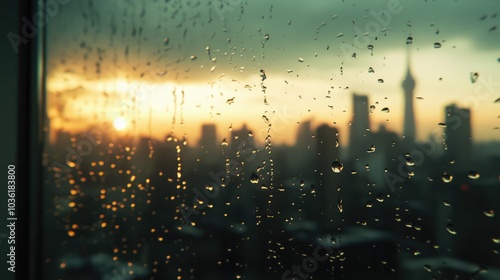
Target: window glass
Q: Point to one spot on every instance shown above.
(235, 139)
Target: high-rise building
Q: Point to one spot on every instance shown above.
(409, 131)
(458, 134)
(208, 136)
(327, 151)
(359, 134)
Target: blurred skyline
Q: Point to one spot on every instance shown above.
(133, 56)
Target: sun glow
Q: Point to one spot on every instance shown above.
(120, 124)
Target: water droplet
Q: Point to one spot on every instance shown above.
(254, 179)
(266, 36)
(301, 183)
(263, 74)
(337, 166)
(380, 81)
(370, 70)
(442, 124)
(370, 47)
(369, 204)
(380, 197)
(409, 40)
(437, 45)
(340, 205)
(193, 57)
(340, 35)
(450, 229)
(447, 178)
(473, 175)
(385, 110)
(474, 76)
(313, 189)
(428, 267)
(489, 213)
(409, 161)
(446, 203)
(371, 149)
(496, 240)
(301, 59)
(224, 142)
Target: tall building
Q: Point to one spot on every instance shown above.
(409, 115)
(359, 134)
(458, 134)
(208, 136)
(327, 151)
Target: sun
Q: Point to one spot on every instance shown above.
(120, 124)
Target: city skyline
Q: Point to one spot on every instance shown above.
(212, 65)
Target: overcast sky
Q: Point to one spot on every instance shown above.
(152, 44)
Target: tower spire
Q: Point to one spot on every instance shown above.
(408, 88)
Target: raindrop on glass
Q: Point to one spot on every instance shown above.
(447, 178)
(489, 213)
(437, 45)
(313, 189)
(370, 70)
(263, 74)
(370, 47)
(474, 76)
(337, 166)
(473, 175)
(385, 110)
(254, 179)
(381, 81)
(372, 149)
(409, 161)
(409, 40)
(451, 229)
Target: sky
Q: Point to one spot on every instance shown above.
(169, 66)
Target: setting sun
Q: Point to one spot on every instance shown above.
(120, 123)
